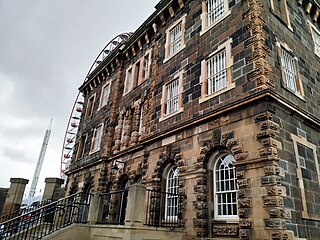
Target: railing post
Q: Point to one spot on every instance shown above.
(95, 209)
(135, 212)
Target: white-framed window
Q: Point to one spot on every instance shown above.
(172, 199)
(172, 92)
(140, 130)
(213, 11)
(288, 64)
(316, 39)
(175, 38)
(136, 74)
(308, 172)
(146, 67)
(289, 69)
(104, 95)
(280, 9)
(96, 139)
(216, 73)
(90, 106)
(81, 147)
(225, 188)
(171, 101)
(128, 83)
(216, 10)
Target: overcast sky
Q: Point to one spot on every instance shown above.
(46, 50)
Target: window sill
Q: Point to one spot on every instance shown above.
(171, 56)
(94, 151)
(297, 94)
(205, 29)
(165, 117)
(205, 98)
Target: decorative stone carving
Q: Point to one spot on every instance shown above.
(243, 213)
(245, 234)
(268, 151)
(245, 223)
(272, 170)
(244, 203)
(241, 193)
(240, 174)
(279, 213)
(240, 156)
(231, 142)
(270, 180)
(275, 223)
(266, 133)
(216, 137)
(225, 231)
(275, 190)
(225, 137)
(243, 183)
(200, 223)
(272, 200)
(202, 232)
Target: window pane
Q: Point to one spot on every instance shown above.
(225, 187)
(215, 11)
(289, 69)
(175, 39)
(172, 90)
(217, 72)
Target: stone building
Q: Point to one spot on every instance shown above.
(217, 100)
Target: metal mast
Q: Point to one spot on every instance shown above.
(40, 160)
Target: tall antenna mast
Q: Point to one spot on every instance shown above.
(40, 160)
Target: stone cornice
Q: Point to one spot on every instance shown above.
(164, 12)
(311, 7)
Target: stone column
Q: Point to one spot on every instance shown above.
(136, 205)
(95, 209)
(52, 184)
(3, 196)
(15, 195)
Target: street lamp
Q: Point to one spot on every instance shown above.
(116, 165)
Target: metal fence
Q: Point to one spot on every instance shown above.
(114, 207)
(47, 219)
(164, 209)
(23, 210)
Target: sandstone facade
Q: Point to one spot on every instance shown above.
(161, 114)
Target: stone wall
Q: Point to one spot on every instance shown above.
(3, 196)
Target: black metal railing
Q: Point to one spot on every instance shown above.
(164, 209)
(114, 207)
(47, 219)
(23, 210)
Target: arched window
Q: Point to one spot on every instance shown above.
(172, 200)
(225, 188)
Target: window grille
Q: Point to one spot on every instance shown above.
(105, 95)
(97, 139)
(172, 199)
(289, 69)
(225, 187)
(175, 39)
(215, 10)
(217, 72)
(172, 90)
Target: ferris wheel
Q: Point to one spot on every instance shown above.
(77, 109)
